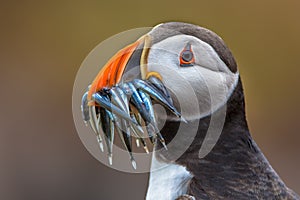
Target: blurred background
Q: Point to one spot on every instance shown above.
(43, 43)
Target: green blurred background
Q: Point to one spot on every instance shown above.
(42, 44)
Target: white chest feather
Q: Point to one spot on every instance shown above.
(167, 181)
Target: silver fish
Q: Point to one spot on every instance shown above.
(160, 86)
(94, 123)
(155, 94)
(123, 130)
(146, 99)
(138, 102)
(85, 108)
(108, 129)
(105, 103)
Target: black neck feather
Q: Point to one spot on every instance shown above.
(235, 168)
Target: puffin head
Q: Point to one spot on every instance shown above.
(192, 62)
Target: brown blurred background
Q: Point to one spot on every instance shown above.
(42, 44)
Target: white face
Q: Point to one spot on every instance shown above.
(200, 89)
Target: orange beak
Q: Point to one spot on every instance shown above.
(112, 72)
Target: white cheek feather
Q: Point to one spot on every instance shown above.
(200, 89)
(167, 181)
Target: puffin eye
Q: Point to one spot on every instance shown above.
(187, 57)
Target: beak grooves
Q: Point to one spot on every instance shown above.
(112, 72)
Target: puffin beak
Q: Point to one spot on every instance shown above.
(126, 107)
(113, 70)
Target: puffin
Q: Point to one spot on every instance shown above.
(209, 152)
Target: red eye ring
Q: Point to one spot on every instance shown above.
(187, 58)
